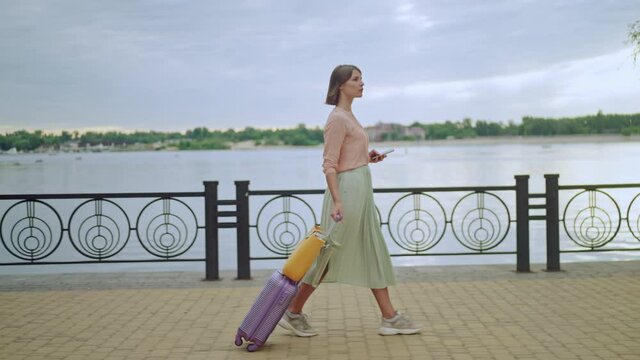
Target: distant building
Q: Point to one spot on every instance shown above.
(416, 132)
(100, 147)
(388, 131)
(70, 146)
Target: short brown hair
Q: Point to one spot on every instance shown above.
(339, 76)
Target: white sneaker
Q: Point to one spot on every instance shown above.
(399, 325)
(298, 324)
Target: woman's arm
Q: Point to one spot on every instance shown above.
(332, 184)
(335, 132)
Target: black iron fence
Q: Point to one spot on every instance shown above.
(416, 221)
(430, 221)
(98, 226)
(591, 219)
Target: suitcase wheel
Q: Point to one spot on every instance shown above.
(238, 341)
(252, 347)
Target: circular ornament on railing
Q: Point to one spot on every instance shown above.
(99, 229)
(167, 227)
(283, 222)
(417, 222)
(31, 230)
(633, 217)
(480, 221)
(597, 218)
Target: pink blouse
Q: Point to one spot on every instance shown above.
(346, 144)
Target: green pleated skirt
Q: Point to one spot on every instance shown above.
(362, 257)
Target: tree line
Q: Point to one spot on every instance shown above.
(197, 139)
(203, 138)
(536, 126)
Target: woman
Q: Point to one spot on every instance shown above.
(362, 258)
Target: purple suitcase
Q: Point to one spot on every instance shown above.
(266, 311)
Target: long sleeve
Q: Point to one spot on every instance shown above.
(334, 133)
(345, 143)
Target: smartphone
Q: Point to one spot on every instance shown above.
(385, 153)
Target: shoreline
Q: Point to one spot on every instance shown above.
(509, 140)
(488, 140)
(485, 140)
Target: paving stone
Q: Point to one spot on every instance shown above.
(588, 311)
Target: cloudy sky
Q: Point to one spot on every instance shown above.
(174, 65)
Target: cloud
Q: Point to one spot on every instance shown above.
(570, 88)
(174, 65)
(407, 14)
(609, 78)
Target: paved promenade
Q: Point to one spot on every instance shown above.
(587, 311)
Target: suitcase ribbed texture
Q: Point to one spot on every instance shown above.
(266, 311)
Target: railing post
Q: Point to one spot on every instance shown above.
(553, 223)
(522, 226)
(242, 201)
(211, 230)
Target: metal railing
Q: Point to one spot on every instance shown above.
(97, 227)
(592, 220)
(430, 221)
(416, 222)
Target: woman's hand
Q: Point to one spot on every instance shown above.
(375, 156)
(337, 213)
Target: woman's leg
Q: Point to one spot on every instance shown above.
(393, 323)
(304, 292)
(293, 319)
(384, 302)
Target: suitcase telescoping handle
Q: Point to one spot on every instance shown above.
(325, 255)
(326, 235)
